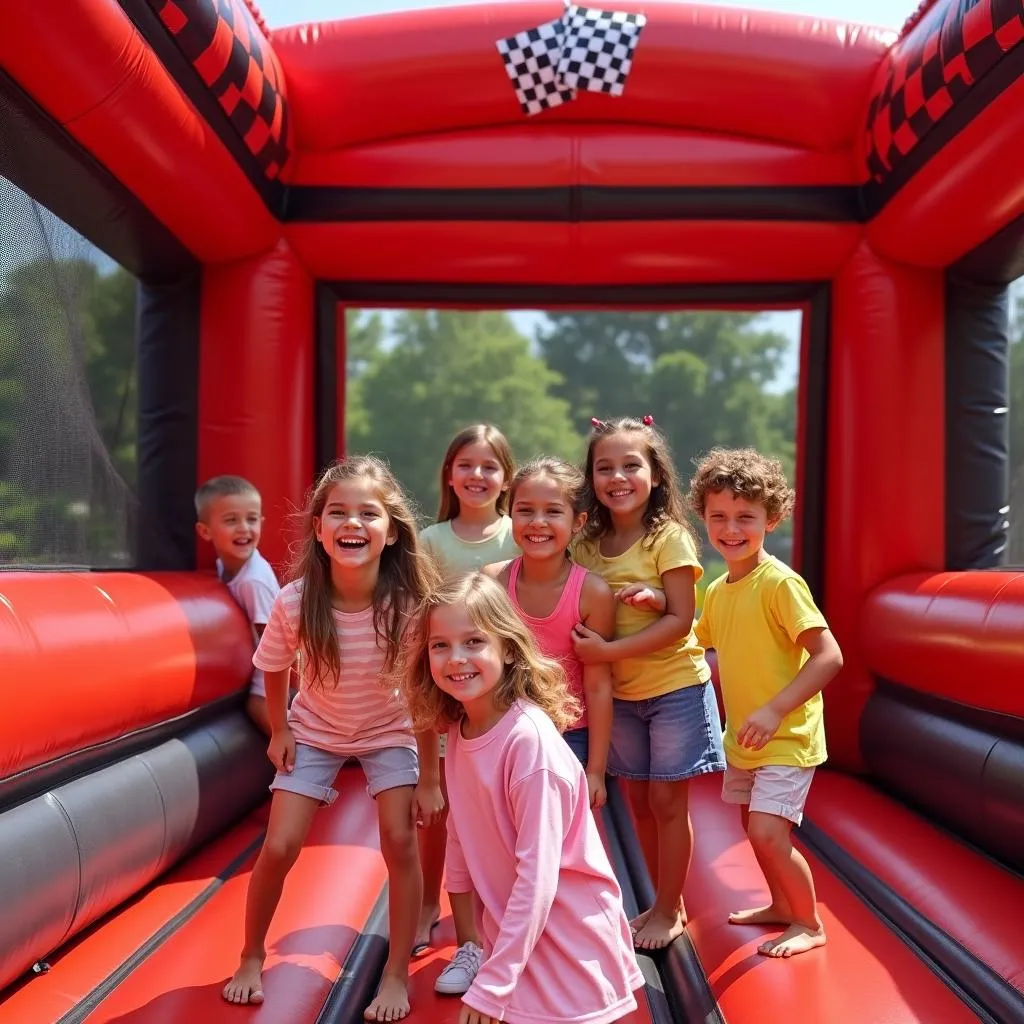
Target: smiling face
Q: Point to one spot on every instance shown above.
(543, 519)
(477, 477)
(233, 523)
(736, 528)
(354, 527)
(623, 477)
(465, 662)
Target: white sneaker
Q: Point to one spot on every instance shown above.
(456, 978)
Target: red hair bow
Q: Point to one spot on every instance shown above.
(648, 420)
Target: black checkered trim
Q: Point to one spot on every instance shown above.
(226, 45)
(931, 69)
(530, 59)
(598, 51)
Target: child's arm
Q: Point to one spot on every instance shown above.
(427, 801)
(275, 655)
(676, 623)
(597, 608)
(825, 661)
(639, 595)
(541, 806)
(497, 571)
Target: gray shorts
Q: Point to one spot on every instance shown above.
(777, 789)
(315, 771)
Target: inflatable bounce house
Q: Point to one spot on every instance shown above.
(259, 182)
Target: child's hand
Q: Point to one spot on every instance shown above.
(468, 1016)
(597, 791)
(590, 647)
(427, 804)
(760, 726)
(639, 595)
(281, 750)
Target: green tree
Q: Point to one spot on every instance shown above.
(442, 371)
(708, 379)
(67, 412)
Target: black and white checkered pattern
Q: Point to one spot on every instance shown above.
(597, 53)
(530, 60)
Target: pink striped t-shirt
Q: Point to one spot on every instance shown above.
(357, 714)
(553, 632)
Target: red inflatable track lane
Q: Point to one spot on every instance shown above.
(864, 973)
(93, 955)
(327, 898)
(928, 868)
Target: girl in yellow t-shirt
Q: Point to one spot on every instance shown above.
(665, 726)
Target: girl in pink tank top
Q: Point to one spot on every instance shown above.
(552, 595)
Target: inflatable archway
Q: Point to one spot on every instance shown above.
(258, 182)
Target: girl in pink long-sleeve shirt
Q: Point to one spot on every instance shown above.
(558, 948)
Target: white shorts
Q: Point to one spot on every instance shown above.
(778, 789)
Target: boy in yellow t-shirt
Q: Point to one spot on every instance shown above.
(775, 654)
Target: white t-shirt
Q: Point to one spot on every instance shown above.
(255, 588)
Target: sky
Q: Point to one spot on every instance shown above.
(885, 13)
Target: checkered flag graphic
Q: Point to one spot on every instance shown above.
(597, 52)
(530, 60)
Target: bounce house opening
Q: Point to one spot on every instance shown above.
(708, 377)
(68, 401)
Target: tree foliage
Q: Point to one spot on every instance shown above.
(440, 372)
(67, 413)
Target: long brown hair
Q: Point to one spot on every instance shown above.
(406, 571)
(665, 505)
(483, 433)
(530, 676)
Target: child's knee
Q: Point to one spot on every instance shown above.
(398, 842)
(667, 800)
(281, 851)
(769, 834)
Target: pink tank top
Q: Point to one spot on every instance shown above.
(553, 633)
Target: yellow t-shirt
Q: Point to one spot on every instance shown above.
(457, 557)
(673, 667)
(753, 625)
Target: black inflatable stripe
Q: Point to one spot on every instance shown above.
(41, 778)
(92, 1000)
(962, 767)
(987, 995)
(659, 1004)
(360, 973)
(687, 984)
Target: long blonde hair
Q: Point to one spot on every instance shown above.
(406, 571)
(483, 433)
(530, 676)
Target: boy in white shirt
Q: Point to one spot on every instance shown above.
(229, 511)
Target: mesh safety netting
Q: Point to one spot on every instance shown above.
(67, 395)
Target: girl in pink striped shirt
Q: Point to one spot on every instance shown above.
(358, 573)
(557, 944)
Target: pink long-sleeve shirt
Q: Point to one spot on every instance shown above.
(556, 939)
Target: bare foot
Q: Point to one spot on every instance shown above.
(428, 921)
(639, 921)
(246, 985)
(797, 938)
(391, 1001)
(762, 915)
(659, 930)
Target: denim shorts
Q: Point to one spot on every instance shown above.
(315, 770)
(579, 743)
(669, 738)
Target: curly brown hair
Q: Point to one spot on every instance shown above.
(666, 504)
(747, 474)
(530, 676)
